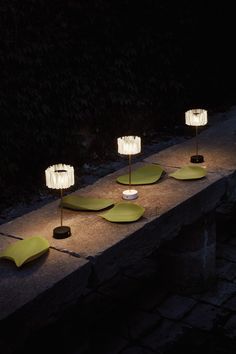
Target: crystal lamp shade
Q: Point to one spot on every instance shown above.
(196, 117)
(59, 176)
(129, 145)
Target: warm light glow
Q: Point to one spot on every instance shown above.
(196, 117)
(59, 176)
(129, 145)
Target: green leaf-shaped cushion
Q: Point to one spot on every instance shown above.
(189, 172)
(23, 251)
(124, 212)
(144, 175)
(77, 202)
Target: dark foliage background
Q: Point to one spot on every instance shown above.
(75, 75)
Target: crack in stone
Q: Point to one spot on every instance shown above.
(11, 236)
(71, 253)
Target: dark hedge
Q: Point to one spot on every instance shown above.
(75, 75)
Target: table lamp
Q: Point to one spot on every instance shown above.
(129, 145)
(60, 176)
(196, 117)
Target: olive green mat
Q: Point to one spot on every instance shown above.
(77, 202)
(189, 172)
(148, 174)
(23, 251)
(124, 212)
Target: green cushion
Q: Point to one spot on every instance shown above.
(124, 212)
(23, 251)
(77, 202)
(144, 175)
(189, 172)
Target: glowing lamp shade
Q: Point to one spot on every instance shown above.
(197, 118)
(129, 145)
(60, 176)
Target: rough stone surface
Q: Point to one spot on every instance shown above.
(145, 268)
(225, 221)
(151, 295)
(227, 252)
(196, 236)
(226, 269)
(136, 350)
(230, 327)
(205, 316)
(189, 259)
(120, 288)
(231, 303)
(111, 344)
(165, 335)
(36, 292)
(176, 306)
(221, 292)
(232, 240)
(138, 324)
(96, 304)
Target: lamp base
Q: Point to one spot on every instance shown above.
(130, 194)
(61, 232)
(197, 159)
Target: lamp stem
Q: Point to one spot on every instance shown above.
(61, 205)
(196, 140)
(129, 172)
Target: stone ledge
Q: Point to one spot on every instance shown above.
(169, 205)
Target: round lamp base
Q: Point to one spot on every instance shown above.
(61, 232)
(130, 194)
(197, 159)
